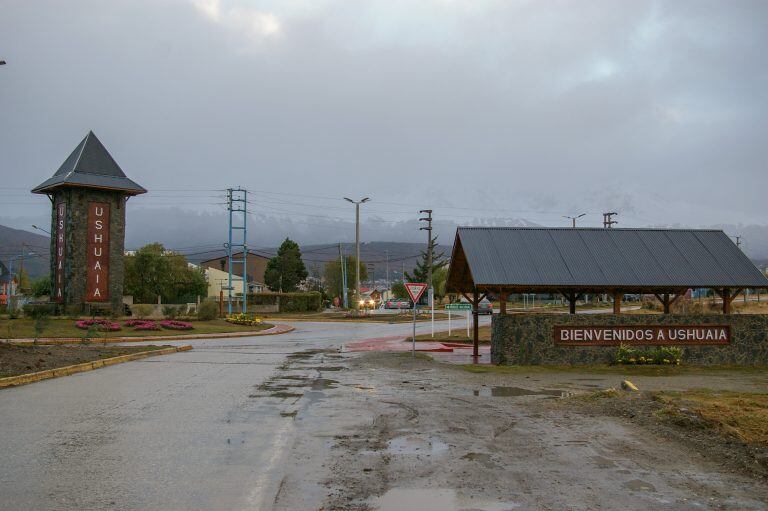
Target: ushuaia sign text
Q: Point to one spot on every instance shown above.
(641, 334)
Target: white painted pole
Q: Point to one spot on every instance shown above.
(413, 340)
(432, 299)
(468, 314)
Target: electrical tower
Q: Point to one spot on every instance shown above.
(237, 202)
(608, 221)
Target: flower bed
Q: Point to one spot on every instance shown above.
(142, 324)
(176, 325)
(243, 319)
(659, 356)
(101, 324)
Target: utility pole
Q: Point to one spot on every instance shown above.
(387, 269)
(431, 290)
(573, 218)
(345, 301)
(608, 221)
(357, 246)
(428, 228)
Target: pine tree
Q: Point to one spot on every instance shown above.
(286, 270)
(421, 272)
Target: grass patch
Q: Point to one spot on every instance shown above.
(16, 360)
(741, 415)
(629, 370)
(65, 328)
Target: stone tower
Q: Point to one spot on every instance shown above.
(88, 197)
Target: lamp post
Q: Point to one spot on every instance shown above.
(573, 219)
(357, 247)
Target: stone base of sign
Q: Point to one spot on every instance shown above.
(75, 270)
(528, 339)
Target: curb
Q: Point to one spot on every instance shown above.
(275, 330)
(23, 379)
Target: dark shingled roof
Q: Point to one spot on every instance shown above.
(90, 166)
(5, 275)
(529, 257)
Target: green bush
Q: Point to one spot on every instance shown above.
(208, 311)
(290, 302)
(663, 355)
(35, 310)
(170, 312)
(142, 311)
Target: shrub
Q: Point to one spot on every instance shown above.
(35, 310)
(208, 311)
(170, 312)
(663, 355)
(142, 311)
(290, 302)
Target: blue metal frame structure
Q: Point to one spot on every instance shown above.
(237, 202)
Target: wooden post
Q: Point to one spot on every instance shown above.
(476, 324)
(502, 303)
(726, 300)
(617, 302)
(571, 303)
(666, 303)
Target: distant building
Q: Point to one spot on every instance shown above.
(6, 280)
(256, 267)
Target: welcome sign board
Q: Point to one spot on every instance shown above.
(678, 335)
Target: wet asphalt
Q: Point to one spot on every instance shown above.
(178, 431)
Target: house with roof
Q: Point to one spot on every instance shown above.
(6, 283)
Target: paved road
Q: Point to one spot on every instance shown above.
(172, 432)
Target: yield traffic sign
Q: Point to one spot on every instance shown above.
(415, 290)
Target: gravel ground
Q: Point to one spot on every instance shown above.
(384, 431)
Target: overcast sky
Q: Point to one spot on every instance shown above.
(479, 109)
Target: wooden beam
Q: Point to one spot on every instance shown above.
(502, 302)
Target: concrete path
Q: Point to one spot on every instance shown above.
(174, 432)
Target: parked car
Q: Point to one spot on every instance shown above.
(485, 307)
(394, 303)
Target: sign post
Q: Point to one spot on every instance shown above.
(457, 307)
(415, 290)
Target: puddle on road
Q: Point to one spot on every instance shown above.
(399, 499)
(518, 392)
(638, 485)
(482, 458)
(601, 462)
(414, 444)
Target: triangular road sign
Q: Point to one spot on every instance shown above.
(415, 290)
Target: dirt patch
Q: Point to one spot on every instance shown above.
(508, 441)
(16, 360)
(680, 417)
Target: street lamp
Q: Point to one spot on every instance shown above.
(573, 218)
(357, 246)
(41, 229)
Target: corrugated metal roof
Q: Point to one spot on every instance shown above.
(593, 257)
(90, 166)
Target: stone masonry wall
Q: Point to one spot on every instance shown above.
(75, 271)
(527, 339)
